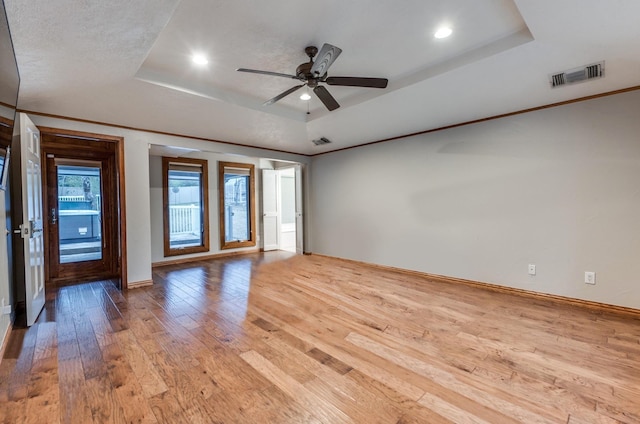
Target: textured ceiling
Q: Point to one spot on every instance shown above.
(128, 63)
(271, 40)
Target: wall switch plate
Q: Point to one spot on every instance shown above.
(590, 277)
(532, 269)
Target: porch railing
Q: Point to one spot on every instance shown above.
(184, 220)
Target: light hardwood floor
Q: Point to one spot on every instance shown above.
(276, 338)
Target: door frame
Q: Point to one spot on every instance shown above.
(299, 172)
(120, 184)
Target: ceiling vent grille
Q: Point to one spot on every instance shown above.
(320, 141)
(576, 75)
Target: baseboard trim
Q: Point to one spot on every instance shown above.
(138, 284)
(201, 258)
(606, 307)
(5, 342)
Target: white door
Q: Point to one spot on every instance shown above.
(270, 209)
(299, 217)
(31, 227)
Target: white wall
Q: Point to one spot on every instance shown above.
(559, 188)
(157, 234)
(138, 199)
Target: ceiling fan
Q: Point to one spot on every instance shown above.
(313, 73)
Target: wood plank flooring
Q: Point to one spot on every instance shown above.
(276, 338)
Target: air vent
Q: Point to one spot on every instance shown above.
(320, 141)
(576, 75)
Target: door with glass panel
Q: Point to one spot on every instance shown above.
(81, 241)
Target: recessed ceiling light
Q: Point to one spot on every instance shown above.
(199, 59)
(443, 32)
(305, 96)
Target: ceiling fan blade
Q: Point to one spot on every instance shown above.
(326, 98)
(282, 95)
(275, 74)
(358, 82)
(328, 54)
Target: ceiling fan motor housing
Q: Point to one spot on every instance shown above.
(304, 71)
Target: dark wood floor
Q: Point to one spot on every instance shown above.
(274, 338)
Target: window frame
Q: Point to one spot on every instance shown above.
(204, 197)
(224, 244)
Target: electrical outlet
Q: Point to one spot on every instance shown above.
(532, 269)
(6, 310)
(589, 277)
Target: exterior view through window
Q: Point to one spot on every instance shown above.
(185, 206)
(79, 213)
(237, 204)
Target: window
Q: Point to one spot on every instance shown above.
(237, 205)
(79, 211)
(186, 206)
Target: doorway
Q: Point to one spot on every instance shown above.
(82, 198)
(282, 209)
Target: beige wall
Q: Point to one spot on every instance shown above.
(558, 188)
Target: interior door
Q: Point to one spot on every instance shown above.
(31, 226)
(270, 209)
(299, 211)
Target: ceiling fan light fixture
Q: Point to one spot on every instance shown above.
(305, 96)
(199, 59)
(443, 32)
